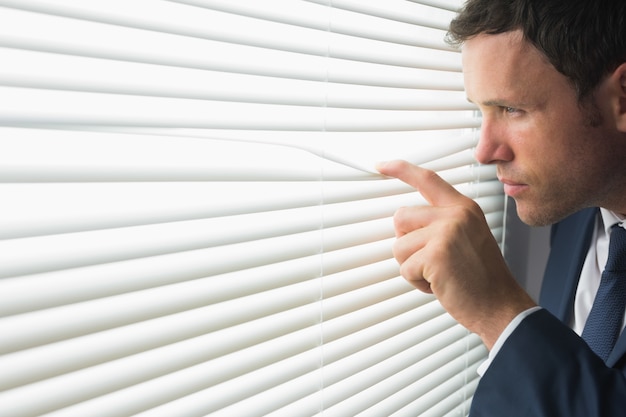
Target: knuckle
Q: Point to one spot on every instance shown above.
(410, 271)
(398, 250)
(400, 218)
(466, 214)
(427, 175)
(402, 250)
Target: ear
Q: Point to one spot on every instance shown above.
(619, 82)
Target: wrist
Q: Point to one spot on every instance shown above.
(490, 329)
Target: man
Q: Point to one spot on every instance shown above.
(549, 77)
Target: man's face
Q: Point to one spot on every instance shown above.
(551, 159)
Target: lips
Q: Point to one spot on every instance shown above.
(513, 188)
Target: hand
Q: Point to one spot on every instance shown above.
(447, 249)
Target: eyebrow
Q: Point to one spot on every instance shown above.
(498, 103)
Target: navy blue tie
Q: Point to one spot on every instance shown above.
(605, 319)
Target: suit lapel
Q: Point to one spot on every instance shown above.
(570, 242)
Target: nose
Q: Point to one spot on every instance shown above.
(492, 146)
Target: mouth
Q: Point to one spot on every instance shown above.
(513, 188)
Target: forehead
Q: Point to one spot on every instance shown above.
(506, 67)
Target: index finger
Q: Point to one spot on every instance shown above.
(434, 188)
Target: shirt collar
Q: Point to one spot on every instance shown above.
(609, 218)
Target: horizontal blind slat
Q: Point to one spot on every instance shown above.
(418, 147)
(364, 389)
(463, 409)
(452, 5)
(65, 72)
(194, 333)
(374, 24)
(340, 322)
(466, 383)
(415, 399)
(86, 108)
(61, 31)
(121, 16)
(266, 402)
(179, 155)
(203, 400)
(72, 250)
(428, 322)
(168, 207)
(401, 11)
(424, 321)
(108, 313)
(171, 325)
(198, 347)
(128, 379)
(66, 287)
(68, 355)
(132, 370)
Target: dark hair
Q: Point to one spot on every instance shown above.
(583, 39)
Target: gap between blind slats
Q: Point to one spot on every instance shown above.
(462, 409)
(447, 397)
(119, 157)
(360, 362)
(209, 346)
(101, 380)
(70, 287)
(465, 385)
(220, 56)
(212, 165)
(425, 358)
(134, 370)
(256, 252)
(74, 77)
(440, 327)
(22, 69)
(176, 158)
(65, 34)
(314, 16)
(404, 313)
(399, 10)
(258, 382)
(405, 337)
(48, 289)
(417, 146)
(357, 393)
(283, 342)
(345, 21)
(69, 355)
(85, 108)
(451, 5)
(104, 220)
(271, 24)
(66, 321)
(72, 250)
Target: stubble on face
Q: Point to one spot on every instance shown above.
(579, 181)
(560, 147)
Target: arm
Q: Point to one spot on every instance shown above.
(545, 370)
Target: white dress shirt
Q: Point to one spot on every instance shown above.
(588, 283)
(592, 269)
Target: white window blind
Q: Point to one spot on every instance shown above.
(191, 223)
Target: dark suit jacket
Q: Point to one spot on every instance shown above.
(544, 369)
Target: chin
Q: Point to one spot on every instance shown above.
(538, 216)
